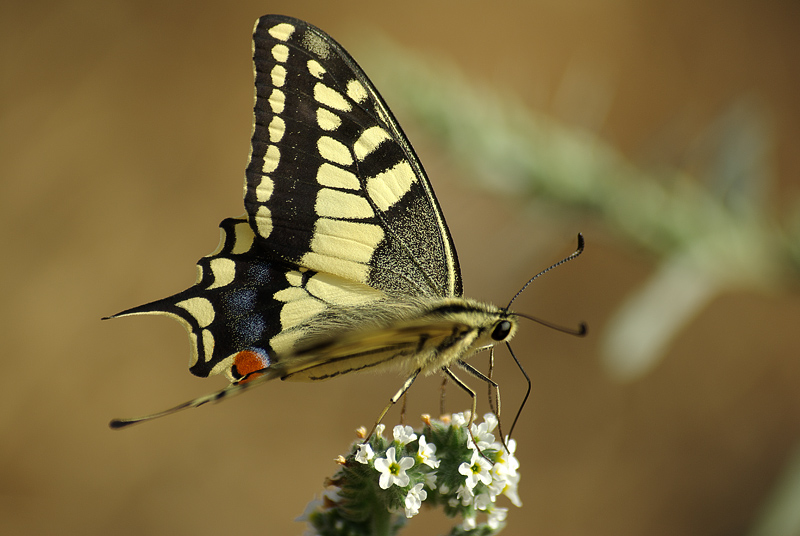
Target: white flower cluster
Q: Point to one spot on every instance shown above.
(486, 480)
(440, 465)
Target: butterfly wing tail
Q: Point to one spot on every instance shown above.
(252, 380)
(229, 313)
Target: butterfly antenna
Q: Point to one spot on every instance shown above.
(580, 331)
(575, 254)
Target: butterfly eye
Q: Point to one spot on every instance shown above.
(501, 330)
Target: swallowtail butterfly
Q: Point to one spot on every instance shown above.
(343, 261)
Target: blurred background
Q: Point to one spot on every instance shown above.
(664, 131)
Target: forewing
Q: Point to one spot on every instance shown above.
(332, 183)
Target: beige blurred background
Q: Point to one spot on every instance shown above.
(124, 130)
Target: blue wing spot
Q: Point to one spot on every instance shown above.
(258, 273)
(240, 301)
(249, 329)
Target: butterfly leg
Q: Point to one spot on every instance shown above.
(393, 401)
(441, 395)
(403, 409)
(496, 407)
(472, 395)
(492, 385)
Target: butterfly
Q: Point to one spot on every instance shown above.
(342, 261)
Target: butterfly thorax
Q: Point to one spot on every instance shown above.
(393, 333)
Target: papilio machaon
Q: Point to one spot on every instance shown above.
(343, 261)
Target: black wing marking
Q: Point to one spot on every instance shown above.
(231, 310)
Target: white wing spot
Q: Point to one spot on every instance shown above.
(224, 367)
(315, 69)
(331, 98)
(264, 189)
(243, 238)
(294, 312)
(328, 120)
(294, 278)
(290, 294)
(282, 31)
(271, 159)
(351, 270)
(200, 308)
(264, 221)
(284, 342)
(356, 91)
(387, 188)
(193, 341)
(224, 271)
(208, 342)
(338, 204)
(348, 240)
(336, 177)
(222, 237)
(316, 45)
(369, 141)
(278, 75)
(334, 151)
(338, 291)
(276, 129)
(277, 100)
(280, 53)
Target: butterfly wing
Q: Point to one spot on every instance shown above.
(333, 184)
(340, 213)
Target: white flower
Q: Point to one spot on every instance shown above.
(483, 438)
(505, 477)
(403, 434)
(379, 430)
(414, 500)
(465, 495)
(331, 494)
(459, 419)
(469, 523)
(313, 506)
(496, 516)
(364, 454)
(507, 456)
(427, 453)
(430, 480)
(483, 501)
(475, 470)
(393, 472)
(510, 490)
(490, 419)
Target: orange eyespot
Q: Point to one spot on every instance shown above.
(247, 362)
